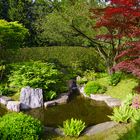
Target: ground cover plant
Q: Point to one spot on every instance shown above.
(73, 127)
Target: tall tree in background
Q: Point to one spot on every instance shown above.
(12, 34)
(61, 25)
(25, 12)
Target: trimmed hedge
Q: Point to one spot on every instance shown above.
(19, 126)
(74, 57)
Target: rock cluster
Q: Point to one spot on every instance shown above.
(111, 102)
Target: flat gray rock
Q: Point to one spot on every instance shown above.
(58, 131)
(54, 130)
(63, 98)
(99, 97)
(99, 128)
(112, 102)
(13, 106)
(49, 129)
(50, 103)
(4, 100)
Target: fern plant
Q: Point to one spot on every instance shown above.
(73, 127)
(122, 114)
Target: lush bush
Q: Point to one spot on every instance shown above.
(81, 80)
(90, 75)
(129, 111)
(115, 78)
(4, 90)
(93, 87)
(73, 127)
(38, 75)
(18, 126)
(12, 34)
(122, 114)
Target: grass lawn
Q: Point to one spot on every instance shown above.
(122, 89)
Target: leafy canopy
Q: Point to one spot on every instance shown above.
(120, 20)
(12, 34)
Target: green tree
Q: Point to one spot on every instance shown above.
(12, 34)
(57, 27)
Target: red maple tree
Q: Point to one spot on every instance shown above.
(121, 21)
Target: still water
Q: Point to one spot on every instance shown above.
(91, 112)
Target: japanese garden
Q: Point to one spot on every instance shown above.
(69, 70)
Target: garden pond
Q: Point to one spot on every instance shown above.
(91, 112)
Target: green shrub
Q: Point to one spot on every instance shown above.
(73, 127)
(115, 78)
(90, 75)
(122, 114)
(93, 87)
(38, 75)
(4, 90)
(81, 80)
(50, 95)
(18, 126)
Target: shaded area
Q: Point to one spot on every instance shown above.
(91, 112)
(3, 110)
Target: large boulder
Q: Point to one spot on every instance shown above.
(13, 106)
(31, 98)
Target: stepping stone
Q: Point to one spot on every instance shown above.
(4, 100)
(112, 102)
(63, 98)
(99, 128)
(99, 97)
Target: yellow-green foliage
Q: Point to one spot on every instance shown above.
(19, 126)
(92, 87)
(122, 114)
(73, 127)
(12, 34)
